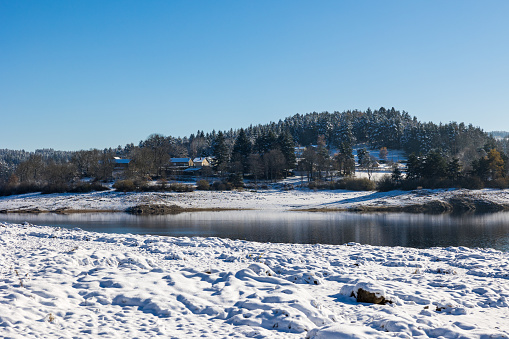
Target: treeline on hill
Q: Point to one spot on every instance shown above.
(266, 152)
(434, 170)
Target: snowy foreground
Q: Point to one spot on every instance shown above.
(271, 199)
(71, 283)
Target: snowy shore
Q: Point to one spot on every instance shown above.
(71, 283)
(271, 199)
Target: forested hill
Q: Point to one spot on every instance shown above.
(380, 128)
(267, 151)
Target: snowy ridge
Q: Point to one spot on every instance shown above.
(71, 283)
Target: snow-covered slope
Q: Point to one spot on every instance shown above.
(271, 199)
(70, 283)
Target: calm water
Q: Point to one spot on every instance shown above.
(386, 229)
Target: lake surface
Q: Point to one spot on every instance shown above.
(384, 229)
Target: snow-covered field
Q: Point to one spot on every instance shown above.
(71, 283)
(271, 199)
(75, 284)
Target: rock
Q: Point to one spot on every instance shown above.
(154, 209)
(370, 297)
(434, 206)
(465, 203)
(462, 203)
(366, 292)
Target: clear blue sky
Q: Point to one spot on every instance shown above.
(95, 74)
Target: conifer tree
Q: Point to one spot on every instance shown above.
(344, 160)
(287, 147)
(396, 174)
(413, 167)
(266, 142)
(220, 152)
(454, 169)
(434, 166)
(241, 150)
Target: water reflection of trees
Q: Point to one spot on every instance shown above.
(385, 229)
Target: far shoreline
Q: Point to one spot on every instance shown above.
(158, 203)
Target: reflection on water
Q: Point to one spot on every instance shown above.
(385, 229)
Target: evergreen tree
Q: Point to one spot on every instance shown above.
(241, 150)
(287, 147)
(266, 142)
(343, 133)
(322, 159)
(344, 160)
(454, 169)
(413, 167)
(396, 174)
(220, 152)
(434, 166)
(481, 168)
(361, 153)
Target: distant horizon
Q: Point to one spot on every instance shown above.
(80, 75)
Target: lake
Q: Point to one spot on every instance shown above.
(381, 229)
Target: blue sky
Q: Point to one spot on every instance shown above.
(95, 74)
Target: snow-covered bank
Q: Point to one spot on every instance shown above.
(272, 199)
(71, 283)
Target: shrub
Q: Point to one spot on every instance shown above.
(143, 186)
(288, 187)
(386, 184)
(314, 185)
(433, 183)
(410, 185)
(498, 183)
(86, 187)
(326, 185)
(236, 180)
(472, 182)
(222, 186)
(251, 186)
(336, 185)
(359, 184)
(177, 187)
(124, 185)
(22, 188)
(55, 188)
(203, 185)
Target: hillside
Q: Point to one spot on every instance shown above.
(444, 153)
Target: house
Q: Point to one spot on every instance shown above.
(120, 164)
(119, 167)
(201, 162)
(181, 162)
